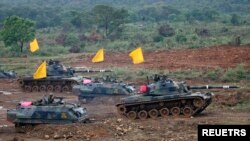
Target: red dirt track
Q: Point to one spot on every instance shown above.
(203, 58)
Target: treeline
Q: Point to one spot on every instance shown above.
(50, 13)
(85, 25)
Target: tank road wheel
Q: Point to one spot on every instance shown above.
(153, 113)
(143, 114)
(58, 88)
(121, 109)
(50, 88)
(198, 102)
(27, 88)
(42, 88)
(65, 88)
(187, 112)
(164, 112)
(131, 115)
(35, 88)
(175, 111)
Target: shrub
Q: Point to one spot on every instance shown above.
(75, 49)
(180, 38)
(166, 31)
(158, 39)
(237, 74)
(215, 74)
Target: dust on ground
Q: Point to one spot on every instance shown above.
(108, 125)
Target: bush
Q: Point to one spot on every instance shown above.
(158, 39)
(203, 32)
(166, 31)
(215, 74)
(180, 38)
(75, 49)
(237, 74)
(70, 40)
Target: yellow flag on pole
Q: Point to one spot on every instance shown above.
(41, 72)
(34, 45)
(99, 57)
(137, 56)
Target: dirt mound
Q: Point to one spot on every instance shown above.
(72, 131)
(202, 58)
(226, 98)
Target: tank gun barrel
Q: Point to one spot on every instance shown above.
(90, 71)
(213, 87)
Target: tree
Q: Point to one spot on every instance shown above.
(16, 31)
(235, 19)
(109, 18)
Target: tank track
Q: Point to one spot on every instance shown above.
(186, 107)
(46, 85)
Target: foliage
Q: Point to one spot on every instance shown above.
(237, 74)
(215, 74)
(157, 13)
(180, 38)
(133, 23)
(108, 17)
(67, 40)
(166, 30)
(158, 39)
(204, 14)
(235, 19)
(17, 31)
(203, 32)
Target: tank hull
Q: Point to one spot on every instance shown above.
(164, 106)
(26, 118)
(101, 92)
(49, 84)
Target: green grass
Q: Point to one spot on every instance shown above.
(243, 105)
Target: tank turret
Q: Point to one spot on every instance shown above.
(166, 97)
(107, 87)
(56, 68)
(48, 110)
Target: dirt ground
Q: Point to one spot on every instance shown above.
(203, 58)
(107, 125)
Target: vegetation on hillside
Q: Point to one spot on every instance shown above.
(86, 25)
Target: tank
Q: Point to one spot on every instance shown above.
(48, 110)
(7, 74)
(59, 79)
(104, 90)
(166, 97)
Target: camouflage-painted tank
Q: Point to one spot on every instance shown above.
(104, 90)
(48, 110)
(7, 74)
(59, 79)
(166, 97)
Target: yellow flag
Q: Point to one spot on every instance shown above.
(41, 72)
(137, 56)
(34, 45)
(99, 57)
